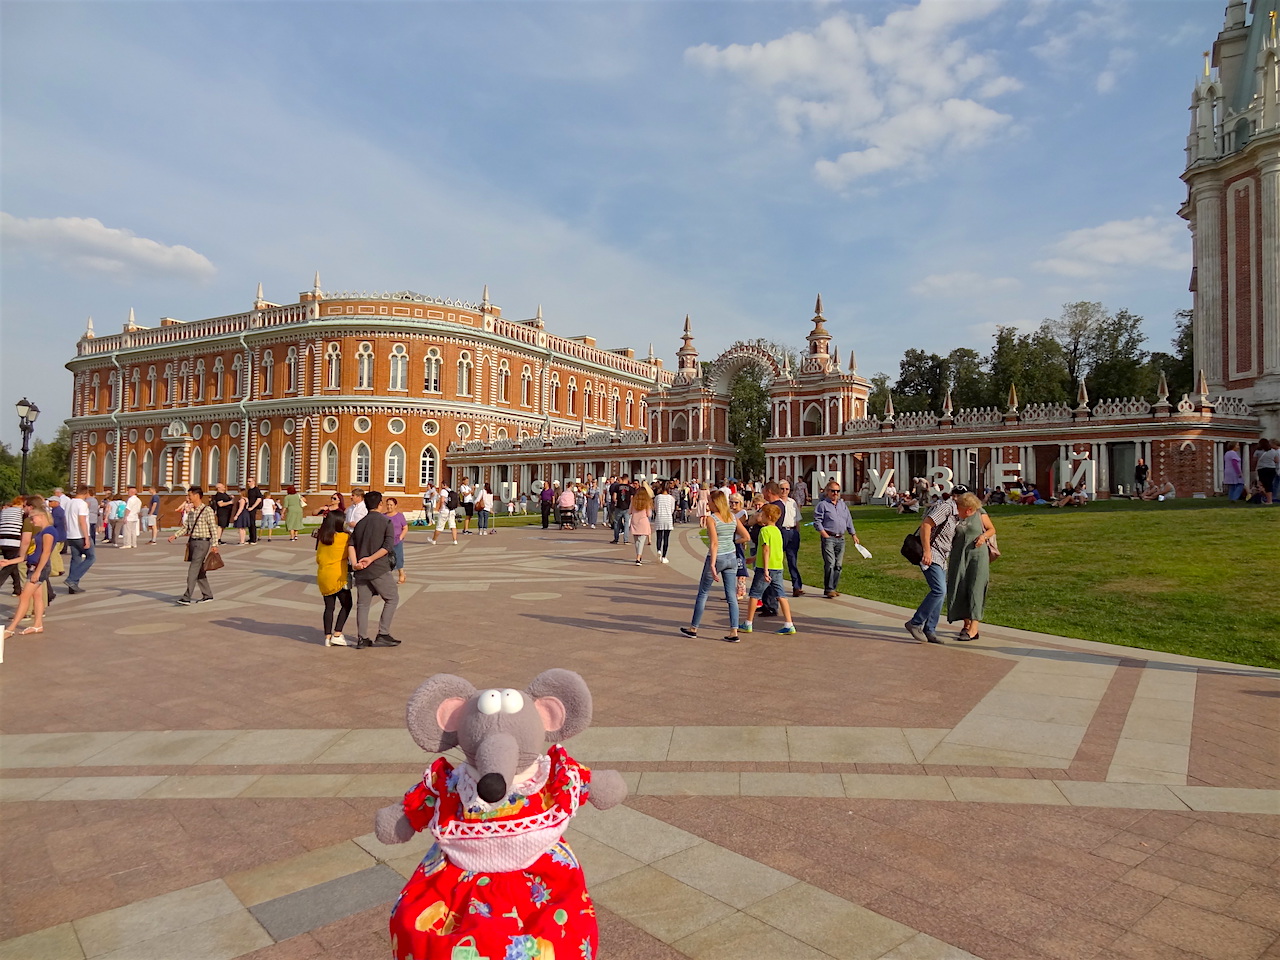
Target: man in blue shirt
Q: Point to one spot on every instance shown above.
(832, 520)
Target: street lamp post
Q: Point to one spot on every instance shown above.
(27, 413)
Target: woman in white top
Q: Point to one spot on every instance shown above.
(269, 515)
(664, 519)
(467, 494)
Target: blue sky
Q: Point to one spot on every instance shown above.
(932, 169)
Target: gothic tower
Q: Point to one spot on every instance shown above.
(1233, 210)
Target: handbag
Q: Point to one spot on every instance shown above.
(913, 548)
(214, 561)
(993, 549)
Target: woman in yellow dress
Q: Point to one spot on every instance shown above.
(333, 577)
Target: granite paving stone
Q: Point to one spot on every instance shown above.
(321, 904)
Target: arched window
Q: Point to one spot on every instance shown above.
(329, 464)
(555, 392)
(197, 465)
(333, 366)
(526, 387)
(215, 466)
(291, 370)
(504, 381)
(428, 463)
(811, 423)
(464, 375)
(151, 387)
(93, 469)
(399, 368)
(264, 466)
(287, 466)
(613, 406)
(233, 465)
(217, 379)
(360, 460)
(571, 396)
(148, 469)
(431, 368)
(364, 367)
(199, 384)
(630, 409)
(679, 428)
(135, 391)
(268, 373)
(237, 380)
(395, 463)
(131, 468)
(109, 478)
(586, 401)
(169, 383)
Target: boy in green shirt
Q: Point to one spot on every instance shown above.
(769, 561)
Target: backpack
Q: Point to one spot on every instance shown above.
(119, 511)
(452, 502)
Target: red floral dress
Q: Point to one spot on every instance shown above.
(499, 883)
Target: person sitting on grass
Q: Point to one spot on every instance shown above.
(769, 572)
(1158, 491)
(996, 497)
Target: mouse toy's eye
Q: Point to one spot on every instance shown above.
(512, 701)
(490, 702)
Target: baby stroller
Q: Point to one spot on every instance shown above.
(567, 517)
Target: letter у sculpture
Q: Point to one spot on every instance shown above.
(499, 883)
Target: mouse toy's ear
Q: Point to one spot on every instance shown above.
(432, 713)
(563, 700)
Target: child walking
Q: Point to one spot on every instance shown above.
(769, 565)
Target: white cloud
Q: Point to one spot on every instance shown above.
(1144, 242)
(900, 92)
(1072, 41)
(85, 243)
(961, 284)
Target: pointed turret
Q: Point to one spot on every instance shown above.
(315, 287)
(888, 409)
(817, 307)
(1162, 391)
(1082, 397)
(947, 407)
(650, 358)
(819, 339)
(131, 323)
(537, 318)
(1013, 399)
(687, 355)
(786, 364)
(88, 329)
(484, 297)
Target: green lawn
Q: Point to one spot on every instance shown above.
(1196, 577)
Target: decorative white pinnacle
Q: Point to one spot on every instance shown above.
(88, 328)
(484, 298)
(259, 290)
(315, 288)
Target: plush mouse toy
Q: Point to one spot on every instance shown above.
(499, 883)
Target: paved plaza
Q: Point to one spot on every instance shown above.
(200, 782)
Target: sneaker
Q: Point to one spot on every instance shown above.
(74, 588)
(185, 601)
(385, 640)
(744, 627)
(665, 560)
(787, 630)
(337, 640)
(204, 600)
(916, 632)
(766, 613)
(932, 638)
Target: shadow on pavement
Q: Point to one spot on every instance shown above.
(287, 631)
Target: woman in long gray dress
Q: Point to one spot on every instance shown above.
(969, 566)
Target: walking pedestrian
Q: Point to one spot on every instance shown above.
(969, 565)
(132, 519)
(399, 527)
(620, 495)
(270, 515)
(153, 515)
(445, 515)
(333, 577)
(95, 516)
(254, 497)
(768, 579)
(832, 520)
(467, 494)
(39, 569)
(200, 527)
(484, 510)
(240, 518)
(593, 502)
(294, 505)
(790, 527)
(11, 546)
(664, 520)
(721, 565)
(1232, 475)
(82, 553)
(369, 552)
(937, 530)
(546, 502)
(1140, 473)
(641, 529)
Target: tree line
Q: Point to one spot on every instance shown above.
(48, 466)
(1087, 343)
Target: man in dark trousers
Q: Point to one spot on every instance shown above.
(546, 500)
(1140, 473)
(222, 502)
(620, 499)
(254, 497)
(370, 552)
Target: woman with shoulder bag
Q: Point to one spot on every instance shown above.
(333, 576)
(969, 565)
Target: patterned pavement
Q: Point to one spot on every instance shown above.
(200, 782)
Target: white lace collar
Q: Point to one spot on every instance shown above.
(527, 783)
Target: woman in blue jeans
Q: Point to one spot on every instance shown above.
(721, 564)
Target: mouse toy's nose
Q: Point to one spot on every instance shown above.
(491, 787)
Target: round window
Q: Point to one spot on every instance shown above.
(197, 431)
(93, 436)
(464, 430)
(363, 424)
(133, 436)
(234, 429)
(149, 435)
(330, 424)
(430, 427)
(288, 427)
(395, 425)
(215, 431)
(265, 427)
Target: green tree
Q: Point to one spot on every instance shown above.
(1076, 331)
(48, 466)
(878, 396)
(1117, 363)
(1179, 366)
(749, 420)
(968, 379)
(922, 381)
(1033, 362)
